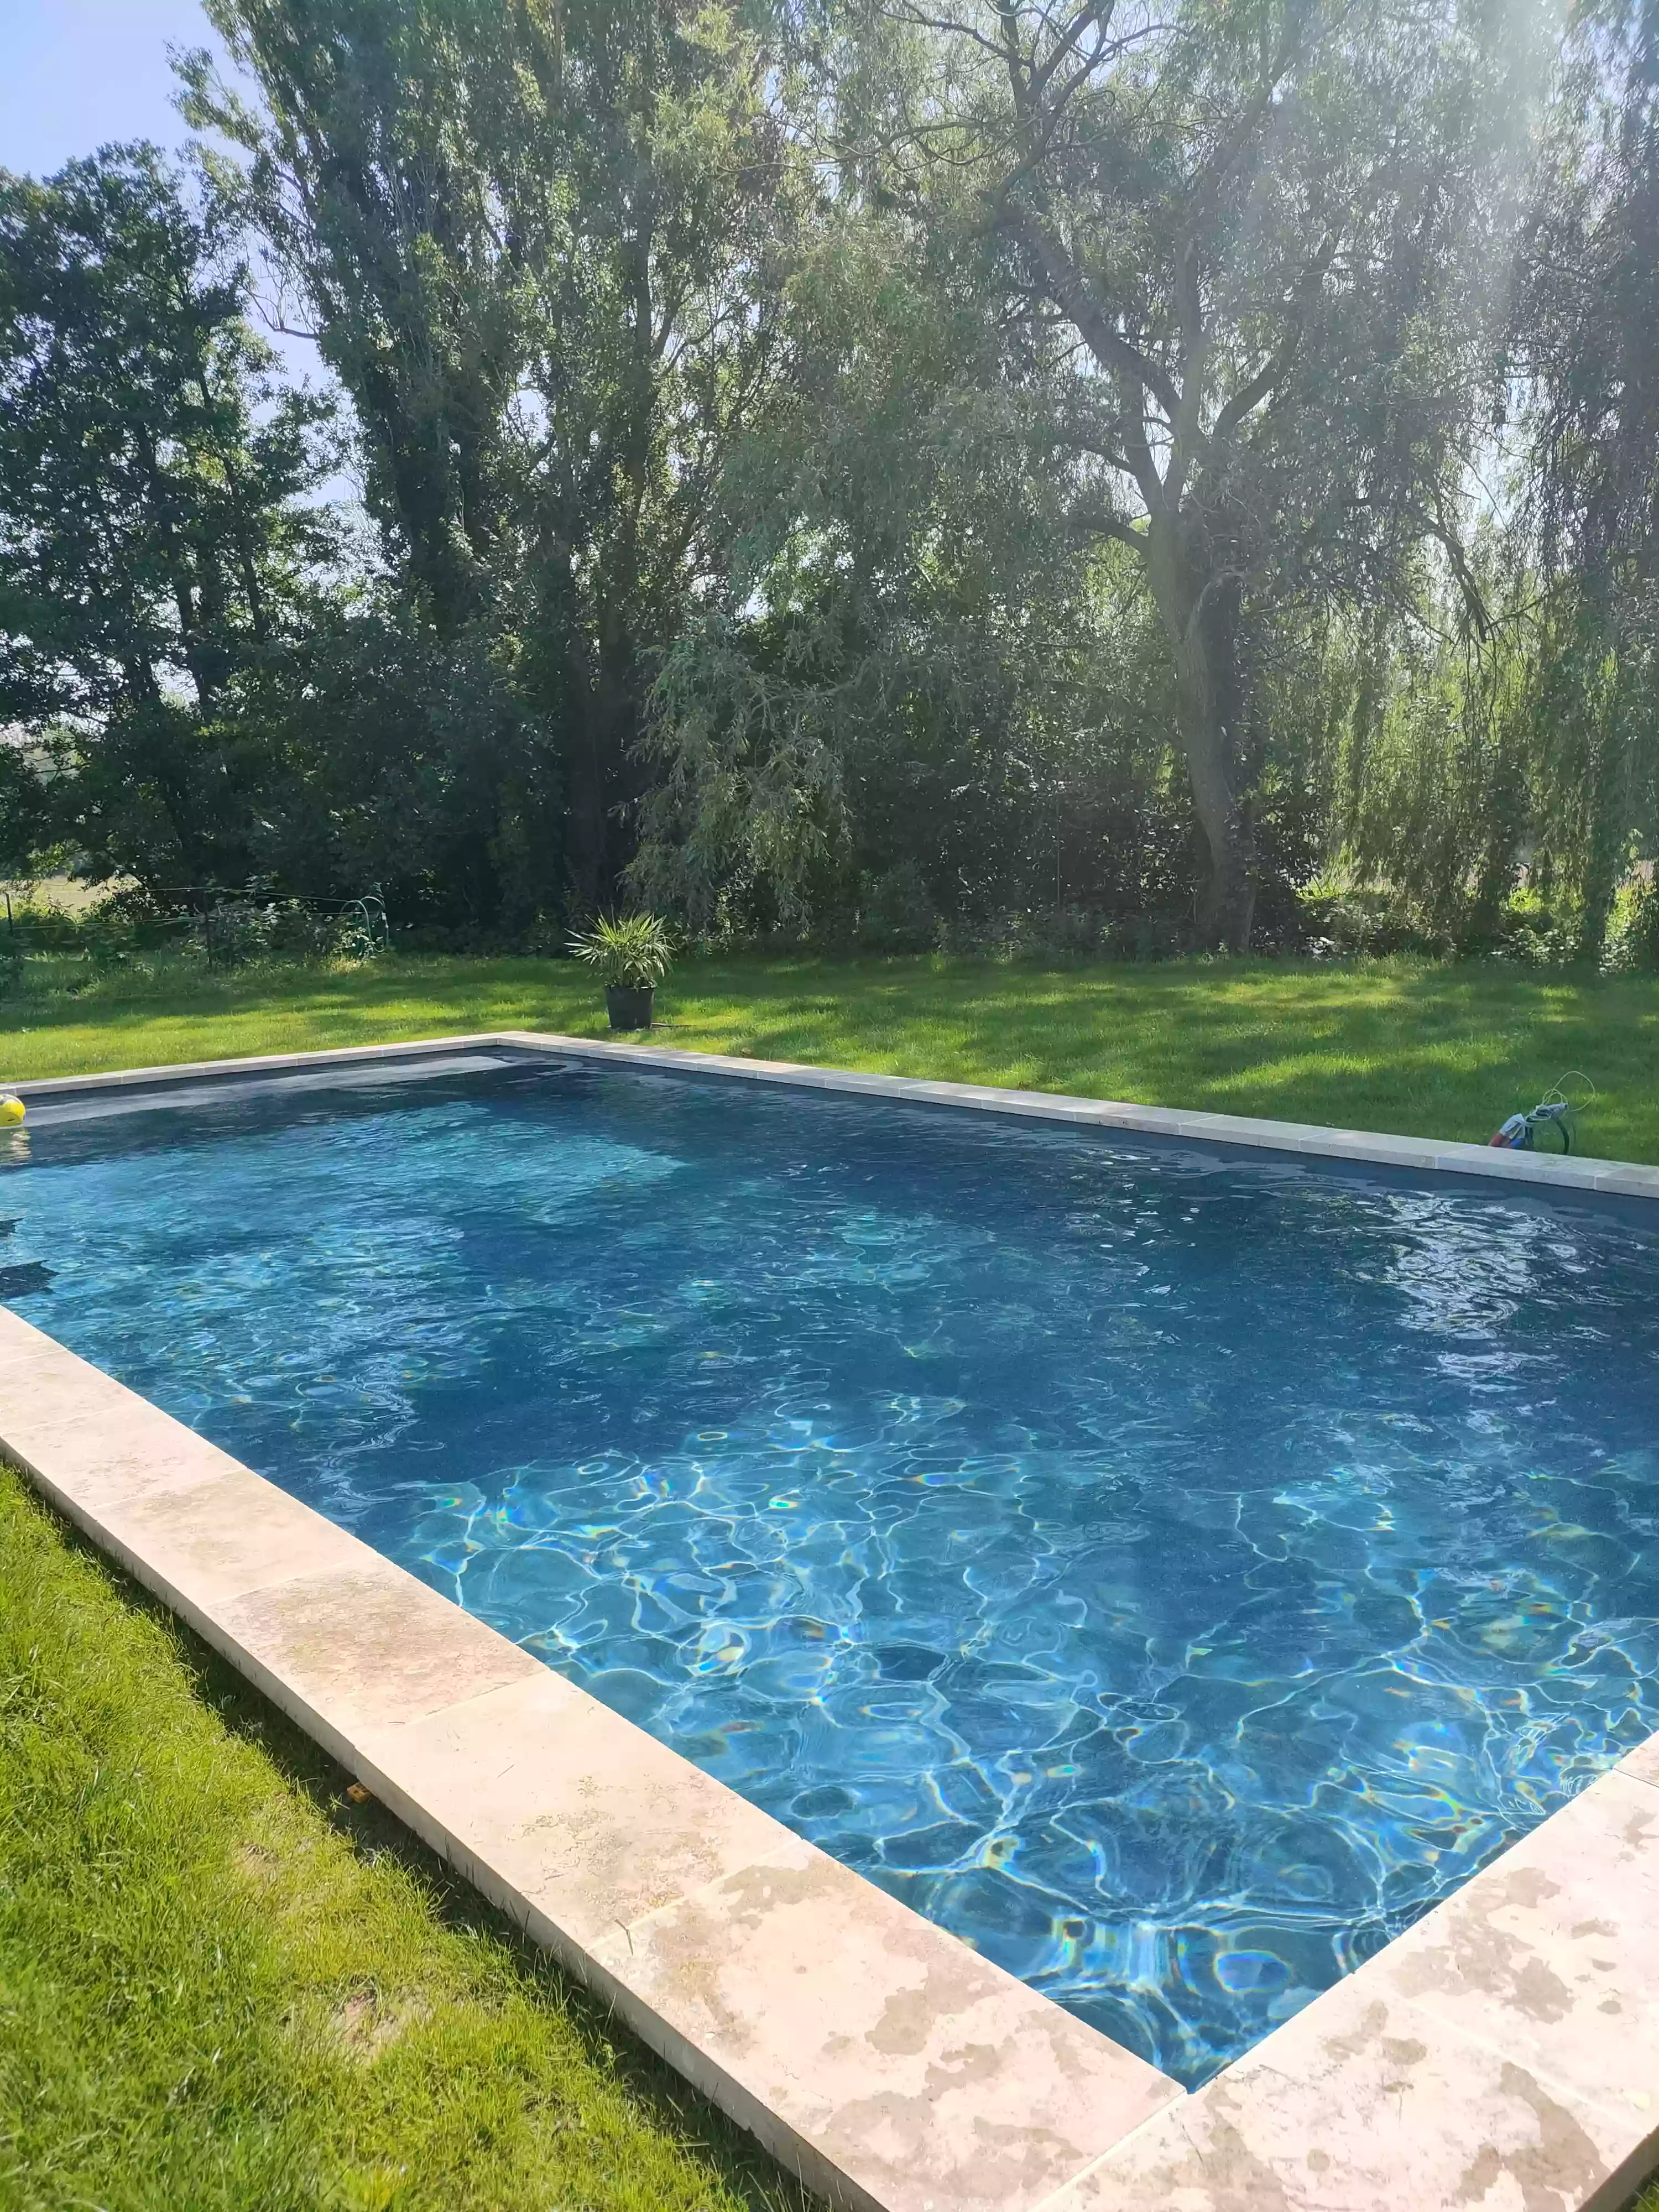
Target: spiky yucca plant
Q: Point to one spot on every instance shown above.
(630, 949)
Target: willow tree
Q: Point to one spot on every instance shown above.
(1585, 353)
(1253, 243)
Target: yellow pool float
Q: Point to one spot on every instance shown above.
(12, 1111)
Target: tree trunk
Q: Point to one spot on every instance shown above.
(600, 769)
(606, 772)
(585, 857)
(1227, 898)
(1200, 618)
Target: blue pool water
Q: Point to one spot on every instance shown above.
(1173, 1574)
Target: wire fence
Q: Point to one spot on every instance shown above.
(231, 924)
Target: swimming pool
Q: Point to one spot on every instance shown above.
(1172, 1573)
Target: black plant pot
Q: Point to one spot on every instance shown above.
(629, 1009)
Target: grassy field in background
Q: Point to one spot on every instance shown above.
(224, 1985)
(1420, 1049)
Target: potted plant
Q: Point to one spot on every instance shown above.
(632, 955)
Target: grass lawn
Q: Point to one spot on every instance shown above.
(1425, 1050)
(223, 1985)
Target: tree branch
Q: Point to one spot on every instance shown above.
(1070, 288)
(1095, 14)
(1106, 522)
(1436, 526)
(1214, 175)
(1278, 363)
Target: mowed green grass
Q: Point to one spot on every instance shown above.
(1421, 1049)
(225, 1986)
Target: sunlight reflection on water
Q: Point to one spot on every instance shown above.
(1173, 1575)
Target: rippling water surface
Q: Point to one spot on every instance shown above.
(1173, 1575)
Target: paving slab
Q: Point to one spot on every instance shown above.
(1552, 1954)
(590, 1820)
(210, 1542)
(106, 1442)
(365, 1645)
(267, 1063)
(1627, 1177)
(1364, 2102)
(931, 2080)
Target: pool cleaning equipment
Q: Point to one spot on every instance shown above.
(12, 1109)
(1554, 1111)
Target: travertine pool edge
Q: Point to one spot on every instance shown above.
(1504, 2051)
(1418, 1155)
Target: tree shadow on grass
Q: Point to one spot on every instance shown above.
(663, 2099)
(1428, 1050)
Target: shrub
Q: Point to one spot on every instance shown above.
(238, 931)
(896, 912)
(631, 950)
(1346, 923)
(1634, 939)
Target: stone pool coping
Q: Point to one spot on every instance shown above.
(1415, 1155)
(1503, 2053)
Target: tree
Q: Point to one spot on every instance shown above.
(538, 242)
(155, 542)
(1253, 241)
(879, 719)
(1584, 352)
(1586, 312)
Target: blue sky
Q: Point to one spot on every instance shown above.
(74, 74)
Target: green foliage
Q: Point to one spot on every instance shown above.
(877, 478)
(1262, 366)
(896, 912)
(633, 950)
(155, 552)
(231, 933)
(543, 247)
(1634, 938)
(1520, 765)
(917, 671)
